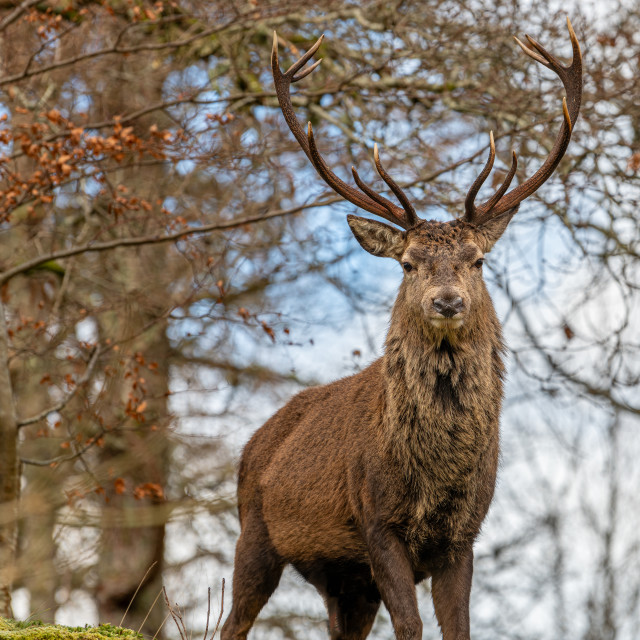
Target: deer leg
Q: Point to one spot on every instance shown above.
(352, 611)
(395, 580)
(257, 571)
(450, 588)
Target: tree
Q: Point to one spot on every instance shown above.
(82, 177)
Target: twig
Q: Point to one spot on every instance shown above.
(181, 618)
(144, 577)
(217, 226)
(149, 612)
(221, 611)
(135, 242)
(15, 14)
(206, 629)
(176, 616)
(162, 625)
(116, 49)
(61, 405)
(60, 459)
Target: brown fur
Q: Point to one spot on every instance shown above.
(374, 482)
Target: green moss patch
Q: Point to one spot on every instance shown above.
(16, 630)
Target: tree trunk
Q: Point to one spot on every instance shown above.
(133, 522)
(9, 474)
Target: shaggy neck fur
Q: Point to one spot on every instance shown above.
(443, 393)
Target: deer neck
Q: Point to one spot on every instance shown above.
(437, 384)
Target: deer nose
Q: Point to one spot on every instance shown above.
(448, 307)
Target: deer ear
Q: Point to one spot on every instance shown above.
(492, 229)
(376, 237)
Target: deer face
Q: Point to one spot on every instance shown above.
(442, 263)
(443, 272)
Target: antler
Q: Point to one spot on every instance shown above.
(368, 200)
(571, 77)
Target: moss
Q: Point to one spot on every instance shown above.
(34, 630)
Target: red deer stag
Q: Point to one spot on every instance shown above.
(370, 484)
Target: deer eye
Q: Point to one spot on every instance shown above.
(407, 267)
(478, 263)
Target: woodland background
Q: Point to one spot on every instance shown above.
(172, 270)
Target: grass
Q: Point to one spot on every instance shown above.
(34, 630)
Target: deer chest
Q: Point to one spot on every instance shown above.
(448, 495)
(446, 469)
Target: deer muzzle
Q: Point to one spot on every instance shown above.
(448, 307)
(446, 310)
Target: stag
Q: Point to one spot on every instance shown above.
(372, 483)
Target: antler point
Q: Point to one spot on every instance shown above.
(530, 52)
(574, 39)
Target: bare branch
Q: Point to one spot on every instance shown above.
(206, 629)
(115, 49)
(59, 460)
(63, 403)
(221, 612)
(149, 612)
(216, 226)
(17, 12)
(177, 617)
(153, 564)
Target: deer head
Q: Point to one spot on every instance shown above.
(442, 261)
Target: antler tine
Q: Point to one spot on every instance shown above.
(383, 207)
(296, 66)
(306, 72)
(504, 186)
(571, 77)
(532, 54)
(374, 195)
(469, 205)
(549, 60)
(412, 217)
(368, 199)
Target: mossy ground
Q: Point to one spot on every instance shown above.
(16, 630)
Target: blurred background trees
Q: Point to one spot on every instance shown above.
(172, 270)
